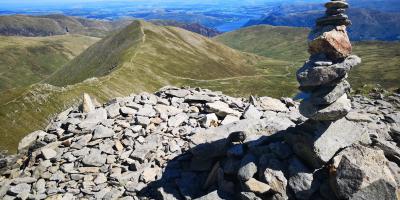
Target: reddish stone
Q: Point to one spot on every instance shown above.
(331, 41)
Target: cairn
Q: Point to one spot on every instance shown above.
(324, 76)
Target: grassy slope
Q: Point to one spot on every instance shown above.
(150, 57)
(380, 59)
(27, 60)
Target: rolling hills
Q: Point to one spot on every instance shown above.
(367, 24)
(27, 60)
(380, 59)
(56, 24)
(141, 57)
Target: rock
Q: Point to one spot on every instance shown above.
(201, 98)
(96, 116)
(331, 41)
(149, 174)
(143, 121)
(236, 150)
(253, 185)
(247, 168)
(332, 112)
(229, 119)
(210, 120)
(102, 132)
(301, 181)
(146, 111)
(362, 173)
(48, 153)
(113, 110)
(271, 104)
(329, 94)
(180, 93)
(248, 196)
(221, 109)
(20, 189)
(127, 111)
(210, 196)
(317, 142)
(30, 140)
(251, 112)
(338, 4)
(276, 180)
(177, 120)
(87, 104)
(358, 117)
(94, 158)
(334, 20)
(311, 76)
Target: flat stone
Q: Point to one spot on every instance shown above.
(253, 185)
(94, 158)
(149, 174)
(146, 111)
(17, 181)
(210, 196)
(229, 119)
(301, 180)
(199, 98)
(358, 117)
(20, 188)
(178, 93)
(271, 104)
(29, 140)
(335, 111)
(334, 20)
(336, 4)
(329, 94)
(48, 153)
(102, 132)
(143, 121)
(177, 120)
(221, 109)
(96, 116)
(276, 180)
(311, 76)
(317, 142)
(127, 111)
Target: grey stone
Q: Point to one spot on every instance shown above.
(102, 132)
(332, 112)
(146, 111)
(236, 150)
(83, 141)
(310, 75)
(94, 158)
(271, 104)
(317, 142)
(276, 180)
(249, 196)
(199, 98)
(19, 180)
(209, 120)
(87, 104)
(96, 116)
(143, 121)
(221, 109)
(48, 153)
(301, 181)
(248, 167)
(29, 140)
(127, 111)
(20, 188)
(229, 119)
(255, 186)
(282, 150)
(251, 112)
(210, 196)
(362, 172)
(177, 120)
(181, 93)
(113, 110)
(329, 94)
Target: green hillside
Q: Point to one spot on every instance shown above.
(380, 59)
(141, 57)
(27, 60)
(56, 24)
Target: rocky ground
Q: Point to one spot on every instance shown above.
(183, 143)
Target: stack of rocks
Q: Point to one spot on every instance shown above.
(324, 75)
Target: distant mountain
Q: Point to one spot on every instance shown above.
(380, 59)
(193, 27)
(367, 24)
(48, 25)
(28, 60)
(140, 57)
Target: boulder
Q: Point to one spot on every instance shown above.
(87, 104)
(363, 173)
(221, 109)
(271, 104)
(334, 42)
(255, 186)
(317, 142)
(329, 94)
(30, 140)
(102, 132)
